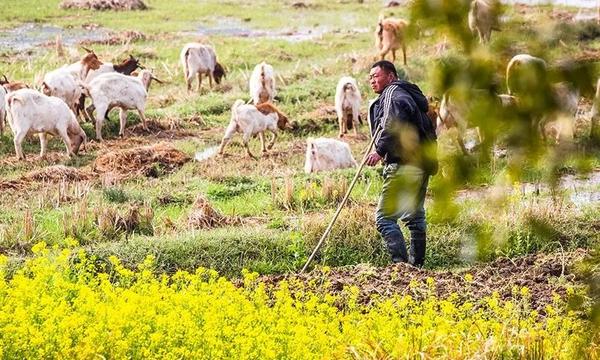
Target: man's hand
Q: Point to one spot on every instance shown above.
(373, 159)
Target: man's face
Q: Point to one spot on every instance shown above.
(379, 79)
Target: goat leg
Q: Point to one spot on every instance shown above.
(43, 144)
(261, 136)
(272, 142)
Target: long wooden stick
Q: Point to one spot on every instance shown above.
(339, 209)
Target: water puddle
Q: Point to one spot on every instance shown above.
(206, 153)
(30, 36)
(579, 191)
(232, 27)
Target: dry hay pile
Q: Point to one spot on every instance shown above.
(7, 185)
(538, 272)
(151, 161)
(204, 216)
(58, 173)
(104, 4)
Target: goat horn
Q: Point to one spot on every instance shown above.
(5, 78)
(88, 50)
(157, 80)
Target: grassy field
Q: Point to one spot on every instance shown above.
(234, 214)
(274, 213)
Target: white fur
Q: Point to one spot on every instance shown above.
(262, 84)
(522, 65)
(246, 119)
(327, 154)
(198, 59)
(32, 112)
(113, 89)
(347, 103)
(62, 84)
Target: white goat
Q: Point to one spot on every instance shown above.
(483, 18)
(200, 59)
(33, 112)
(327, 154)
(117, 90)
(262, 84)
(524, 72)
(61, 83)
(251, 120)
(347, 104)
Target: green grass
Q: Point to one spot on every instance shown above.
(278, 213)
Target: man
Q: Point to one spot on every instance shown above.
(399, 125)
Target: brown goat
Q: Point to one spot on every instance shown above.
(390, 36)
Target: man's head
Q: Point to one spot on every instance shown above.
(381, 75)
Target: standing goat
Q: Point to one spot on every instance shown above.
(483, 18)
(390, 36)
(200, 59)
(252, 120)
(33, 112)
(262, 84)
(347, 104)
(117, 90)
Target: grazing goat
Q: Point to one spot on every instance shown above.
(252, 120)
(524, 72)
(390, 36)
(483, 18)
(111, 90)
(126, 67)
(347, 104)
(527, 76)
(327, 154)
(262, 84)
(200, 59)
(33, 112)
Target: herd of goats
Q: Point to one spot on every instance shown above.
(60, 101)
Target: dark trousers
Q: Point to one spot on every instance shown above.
(402, 197)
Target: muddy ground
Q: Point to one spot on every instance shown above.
(543, 274)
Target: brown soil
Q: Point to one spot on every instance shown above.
(148, 161)
(539, 273)
(104, 4)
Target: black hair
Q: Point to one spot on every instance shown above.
(386, 66)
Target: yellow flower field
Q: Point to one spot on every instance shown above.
(55, 306)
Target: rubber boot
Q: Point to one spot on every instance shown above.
(397, 249)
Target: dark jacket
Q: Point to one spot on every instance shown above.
(399, 110)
